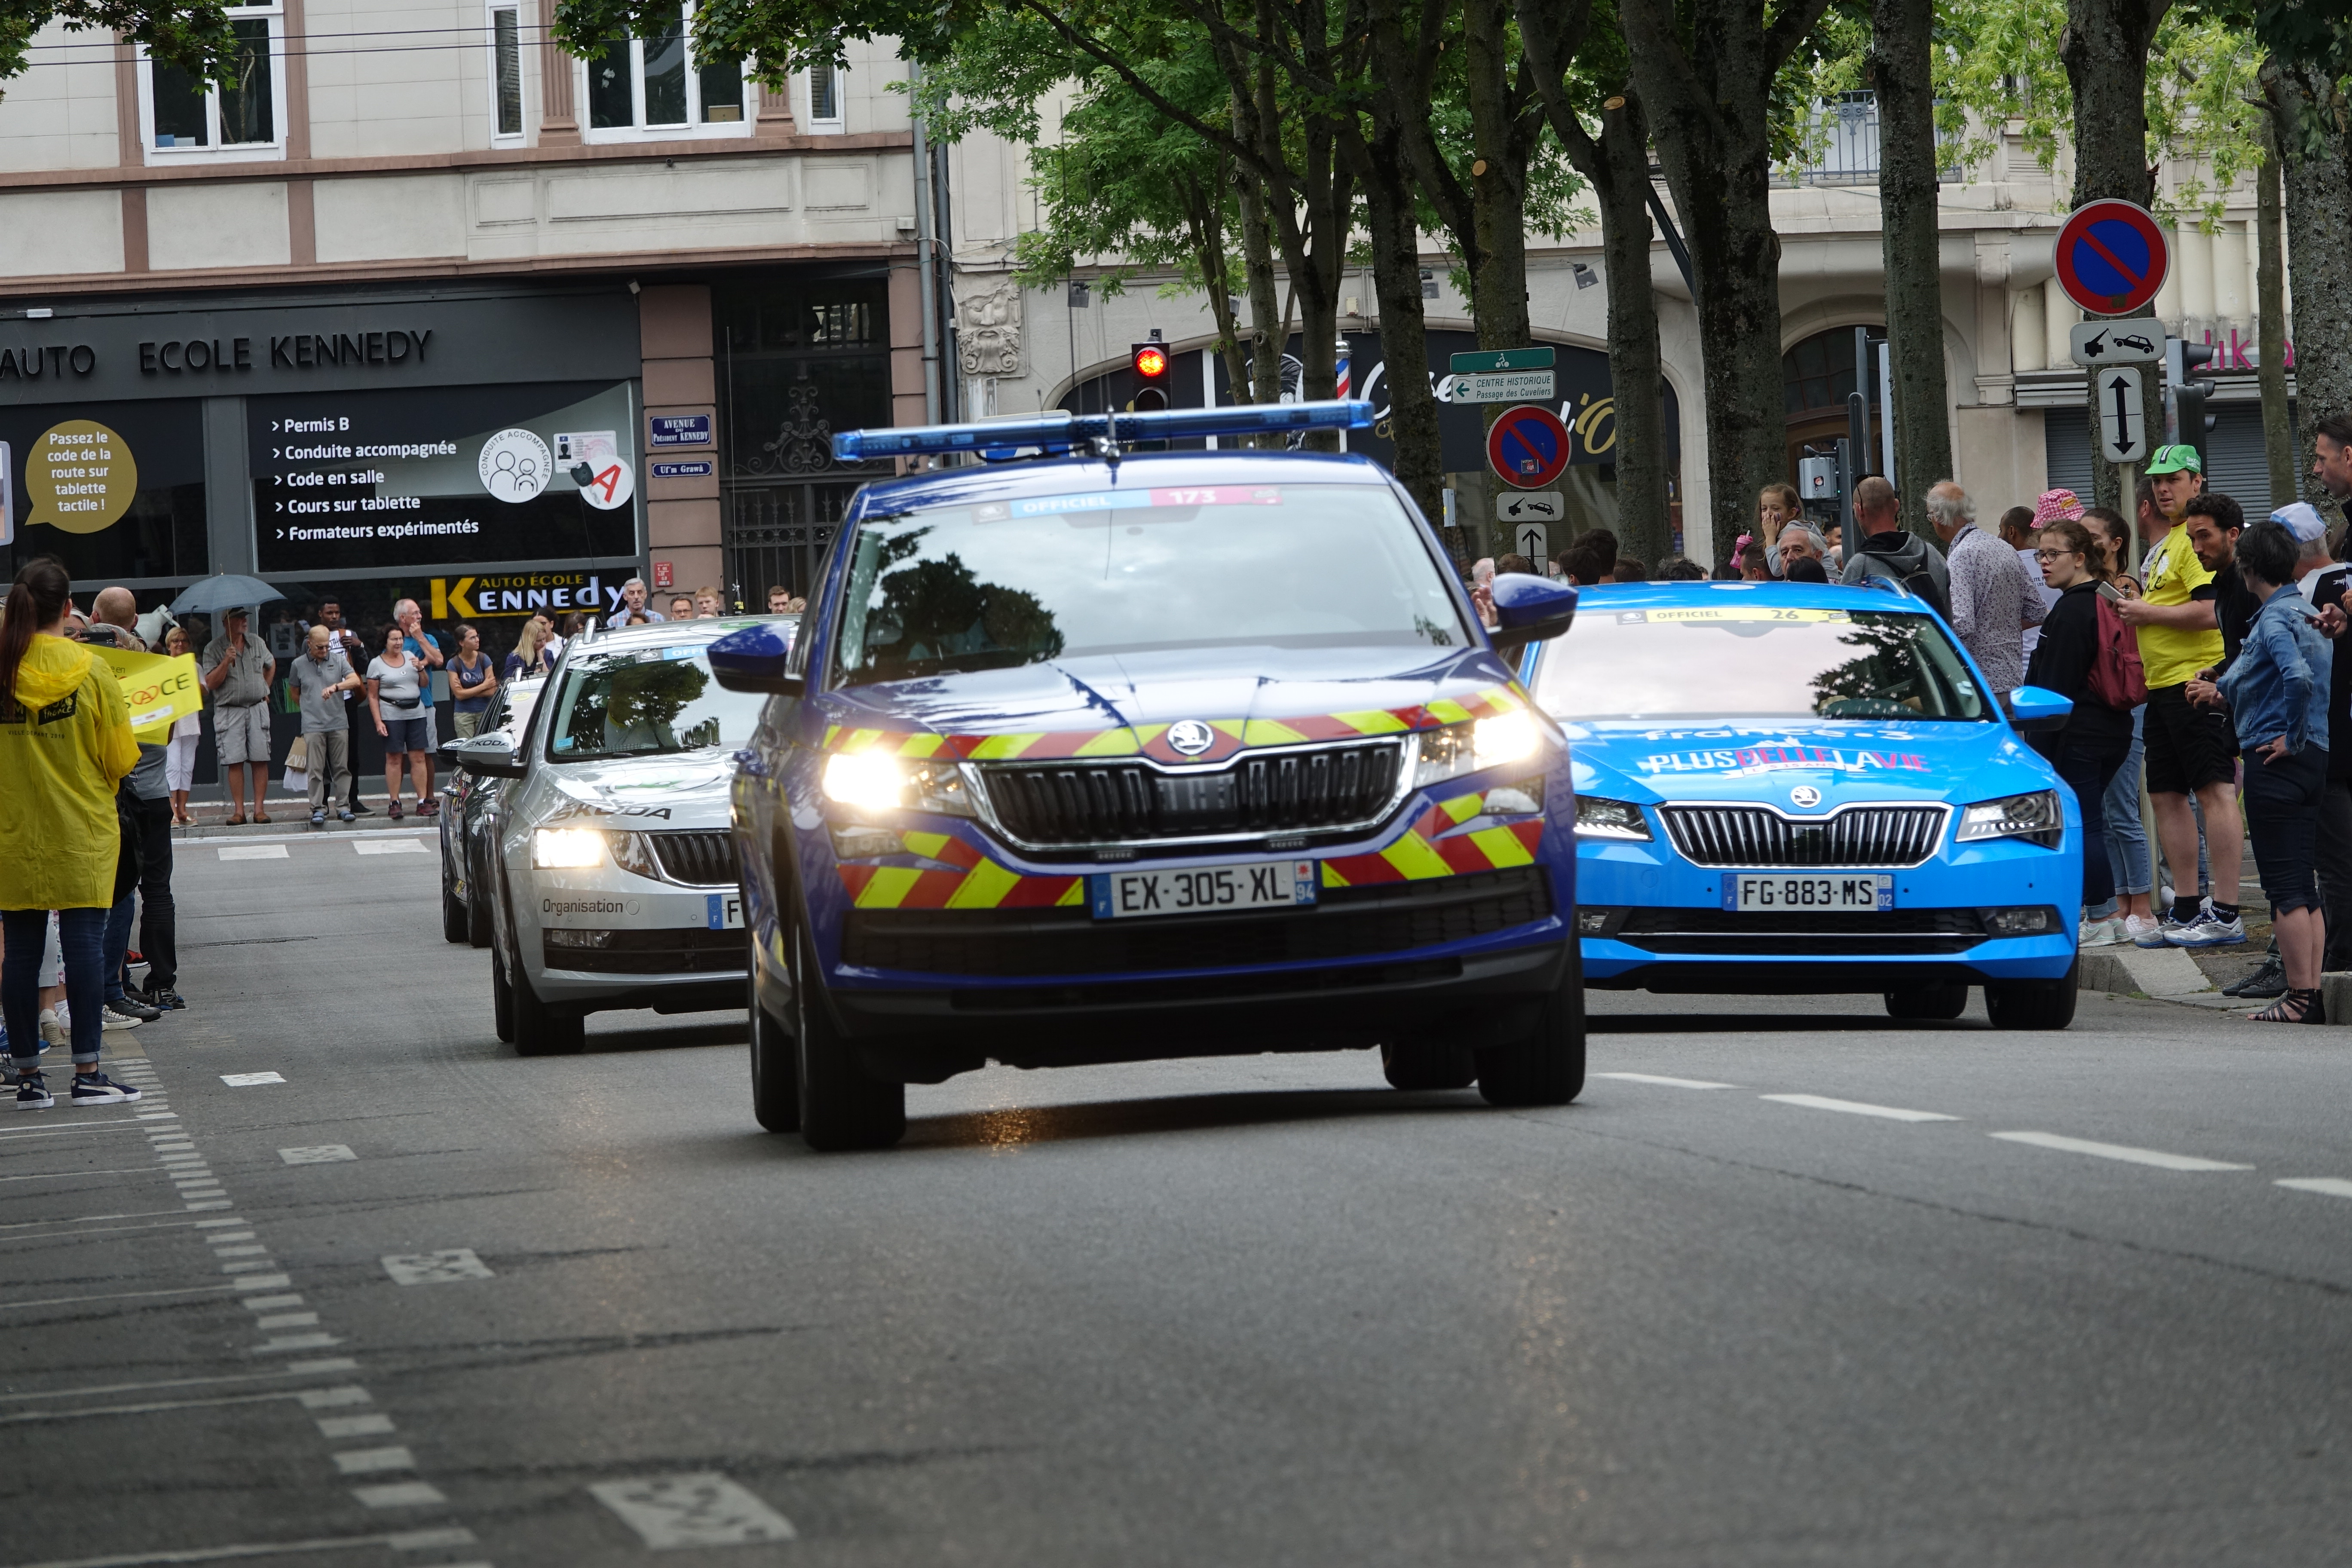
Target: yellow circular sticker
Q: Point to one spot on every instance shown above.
(80, 476)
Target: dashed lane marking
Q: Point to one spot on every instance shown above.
(399, 1494)
(248, 1079)
(373, 1461)
(1667, 1082)
(2332, 1186)
(402, 1540)
(286, 1321)
(1856, 1108)
(373, 1424)
(318, 1154)
(700, 1510)
(390, 846)
(252, 852)
(2156, 1157)
(437, 1268)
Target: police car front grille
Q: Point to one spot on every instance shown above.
(1295, 789)
(1350, 922)
(1888, 837)
(698, 860)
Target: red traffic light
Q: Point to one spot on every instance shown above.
(1150, 361)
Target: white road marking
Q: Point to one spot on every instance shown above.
(244, 1268)
(2333, 1186)
(701, 1510)
(216, 1223)
(409, 1541)
(151, 1408)
(172, 1215)
(156, 1116)
(329, 1398)
(295, 1343)
(269, 1303)
(248, 1080)
(399, 1494)
(287, 1320)
(62, 1175)
(255, 1250)
(390, 845)
(437, 1268)
(1667, 1082)
(331, 1363)
(2157, 1157)
(252, 852)
(373, 1461)
(370, 1425)
(117, 1295)
(264, 1282)
(218, 1236)
(211, 1204)
(316, 1154)
(1856, 1108)
(94, 1391)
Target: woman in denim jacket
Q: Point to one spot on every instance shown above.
(2277, 693)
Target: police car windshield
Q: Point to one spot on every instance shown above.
(645, 702)
(994, 585)
(1757, 660)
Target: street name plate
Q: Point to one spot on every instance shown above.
(1505, 386)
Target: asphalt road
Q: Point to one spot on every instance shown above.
(1253, 1310)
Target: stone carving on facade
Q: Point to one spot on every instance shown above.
(988, 328)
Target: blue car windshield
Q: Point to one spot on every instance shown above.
(1001, 584)
(645, 702)
(1753, 659)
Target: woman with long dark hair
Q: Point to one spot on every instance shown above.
(65, 745)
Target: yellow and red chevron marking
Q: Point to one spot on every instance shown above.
(1428, 850)
(1150, 739)
(975, 882)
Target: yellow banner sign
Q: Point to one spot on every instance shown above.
(549, 593)
(161, 689)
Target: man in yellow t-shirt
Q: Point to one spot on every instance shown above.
(2189, 750)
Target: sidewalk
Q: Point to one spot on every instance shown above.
(288, 811)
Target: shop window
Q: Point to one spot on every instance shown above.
(650, 88)
(824, 98)
(506, 75)
(240, 118)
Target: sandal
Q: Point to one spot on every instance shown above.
(258, 818)
(236, 821)
(2294, 1007)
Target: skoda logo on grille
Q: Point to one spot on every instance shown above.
(1190, 737)
(1804, 797)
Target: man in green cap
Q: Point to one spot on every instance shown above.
(2189, 750)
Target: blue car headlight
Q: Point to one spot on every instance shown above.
(877, 780)
(2038, 817)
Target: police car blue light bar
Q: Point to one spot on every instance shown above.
(1063, 430)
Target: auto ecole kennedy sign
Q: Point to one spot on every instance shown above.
(2112, 258)
(1528, 447)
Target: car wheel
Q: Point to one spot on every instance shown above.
(2033, 1004)
(775, 1075)
(842, 1106)
(1944, 1000)
(455, 925)
(539, 1029)
(501, 1000)
(1548, 1067)
(477, 913)
(1428, 1064)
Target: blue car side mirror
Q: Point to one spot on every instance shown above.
(1531, 608)
(753, 660)
(2034, 709)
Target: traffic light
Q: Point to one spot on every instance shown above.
(1150, 362)
(2190, 421)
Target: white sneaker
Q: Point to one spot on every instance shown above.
(2144, 931)
(2099, 933)
(53, 1028)
(2208, 930)
(114, 1020)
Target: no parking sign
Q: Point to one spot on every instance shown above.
(1528, 447)
(2112, 258)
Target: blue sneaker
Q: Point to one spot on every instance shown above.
(32, 1094)
(97, 1088)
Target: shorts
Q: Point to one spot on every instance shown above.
(242, 733)
(407, 734)
(2187, 748)
(2283, 819)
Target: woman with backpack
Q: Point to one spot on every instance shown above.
(2087, 655)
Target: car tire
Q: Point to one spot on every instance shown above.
(1943, 1000)
(1548, 1067)
(455, 922)
(775, 1071)
(1428, 1064)
(2034, 1004)
(501, 1000)
(479, 929)
(842, 1106)
(540, 1030)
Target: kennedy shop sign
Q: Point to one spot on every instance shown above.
(549, 593)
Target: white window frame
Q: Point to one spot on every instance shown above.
(519, 136)
(273, 150)
(835, 123)
(695, 129)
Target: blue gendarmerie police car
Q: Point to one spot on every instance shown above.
(1785, 789)
(1114, 755)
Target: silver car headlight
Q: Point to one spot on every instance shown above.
(877, 780)
(566, 848)
(1492, 742)
(2038, 817)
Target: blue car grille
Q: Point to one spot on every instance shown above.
(1293, 789)
(1888, 837)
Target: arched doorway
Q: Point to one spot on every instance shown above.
(1816, 378)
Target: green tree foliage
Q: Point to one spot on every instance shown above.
(195, 37)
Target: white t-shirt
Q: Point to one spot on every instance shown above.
(399, 690)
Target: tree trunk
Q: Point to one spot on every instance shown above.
(2310, 111)
(1899, 65)
(2270, 312)
(1404, 340)
(1499, 177)
(2104, 48)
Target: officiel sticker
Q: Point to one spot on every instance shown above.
(1749, 760)
(514, 465)
(1729, 613)
(1124, 501)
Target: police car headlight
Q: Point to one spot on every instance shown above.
(566, 848)
(1599, 818)
(2038, 817)
(877, 781)
(1481, 743)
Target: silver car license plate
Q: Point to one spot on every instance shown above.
(1201, 890)
(1775, 892)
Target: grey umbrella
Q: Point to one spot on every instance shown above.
(223, 591)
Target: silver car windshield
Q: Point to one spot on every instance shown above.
(1755, 660)
(645, 702)
(990, 586)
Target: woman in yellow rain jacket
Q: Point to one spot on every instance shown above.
(65, 743)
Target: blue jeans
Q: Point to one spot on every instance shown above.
(117, 943)
(2126, 835)
(2088, 772)
(81, 939)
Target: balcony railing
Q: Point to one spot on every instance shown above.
(1841, 145)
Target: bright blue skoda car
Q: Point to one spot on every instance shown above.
(1124, 756)
(1787, 790)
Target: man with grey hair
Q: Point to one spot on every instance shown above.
(1993, 601)
(632, 603)
(1800, 543)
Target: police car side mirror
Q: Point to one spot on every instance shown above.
(484, 756)
(2036, 710)
(1530, 609)
(753, 660)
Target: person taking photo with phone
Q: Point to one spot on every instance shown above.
(2091, 748)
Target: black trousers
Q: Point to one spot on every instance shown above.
(2336, 870)
(159, 920)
